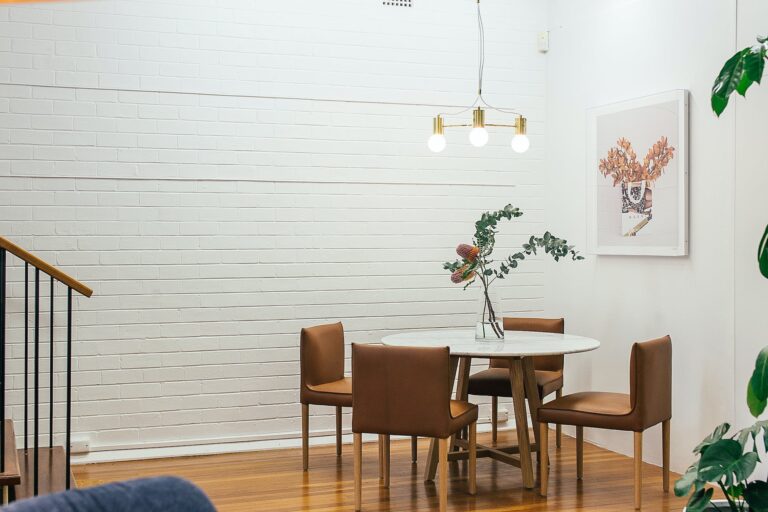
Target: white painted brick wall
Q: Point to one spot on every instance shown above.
(225, 173)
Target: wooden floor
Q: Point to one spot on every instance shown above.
(273, 481)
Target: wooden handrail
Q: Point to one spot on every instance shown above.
(52, 271)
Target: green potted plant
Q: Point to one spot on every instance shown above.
(475, 264)
(728, 460)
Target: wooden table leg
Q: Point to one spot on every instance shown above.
(432, 455)
(517, 380)
(534, 402)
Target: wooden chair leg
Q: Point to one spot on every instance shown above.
(381, 457)
(338, 431)
(386, 460)
(414, 449)
(442, 472)
(638, 469)
(579, 452)
(473, 458)
(305, 436)
(494, 418)
(665, 453)
(558, 427)
(358, 449)
(544, 466)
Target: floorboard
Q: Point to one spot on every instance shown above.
(274, 481)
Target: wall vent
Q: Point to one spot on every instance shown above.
(397, 3)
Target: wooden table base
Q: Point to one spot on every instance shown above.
(523, 381)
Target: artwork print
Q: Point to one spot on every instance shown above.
(637, 176)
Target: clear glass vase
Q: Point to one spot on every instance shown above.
(489, 325)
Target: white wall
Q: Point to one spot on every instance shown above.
(607, 51)
(224, 175)
(751, 215)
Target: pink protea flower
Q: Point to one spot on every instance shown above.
(458, 276)
(468, 252)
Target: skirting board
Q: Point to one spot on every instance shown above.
(188, 448)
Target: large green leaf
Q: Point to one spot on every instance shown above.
(699, 500)
(762, 254)
(725, 460)
(688, 480)
(757, 389)
(756, 495)
(754, 64)
(753, 432)
(728, 80)
(712, 438)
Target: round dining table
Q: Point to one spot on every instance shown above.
(519, 348)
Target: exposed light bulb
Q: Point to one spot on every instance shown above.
(478, 136)
(520, 143)
(436, 143)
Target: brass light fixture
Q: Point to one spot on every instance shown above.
(478, 135)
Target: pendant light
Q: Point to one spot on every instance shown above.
(478, 135)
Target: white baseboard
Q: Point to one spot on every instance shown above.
(188, 448)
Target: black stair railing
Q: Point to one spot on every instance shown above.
(71, 284)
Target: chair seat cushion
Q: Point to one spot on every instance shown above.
(338, 392)
(462, 414)
(591, 409)
(495, 382)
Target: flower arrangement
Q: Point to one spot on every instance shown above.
(636, 179)
(475, 263)
(622, 165)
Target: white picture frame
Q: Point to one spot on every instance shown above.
(629, 216)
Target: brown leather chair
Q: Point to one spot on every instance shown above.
(494, 381)
(648, 403)
(322, 378)
(406, 391)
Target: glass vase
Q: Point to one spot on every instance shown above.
(489, 325)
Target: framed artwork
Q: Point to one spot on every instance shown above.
(637, 176)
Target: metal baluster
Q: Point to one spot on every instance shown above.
(2, 360)
(37, 375)
(50, 413)
(26, 356)
(69, 377)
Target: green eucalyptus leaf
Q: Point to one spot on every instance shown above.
(756, 495)
(699, 500)
(762, 254)
(725, 460)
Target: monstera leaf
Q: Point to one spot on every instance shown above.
(756, 495)
(762, 254)
(699, 500)
(725, 461)
(757, 389)
(738, 74)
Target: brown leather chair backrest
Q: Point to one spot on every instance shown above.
(322, 354)
(650, 382)
(555, 325)
(400, 390)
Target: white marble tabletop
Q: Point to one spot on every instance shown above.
(515, 344)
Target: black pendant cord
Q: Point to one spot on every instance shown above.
(50, 403)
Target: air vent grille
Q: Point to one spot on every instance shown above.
(397, 3)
